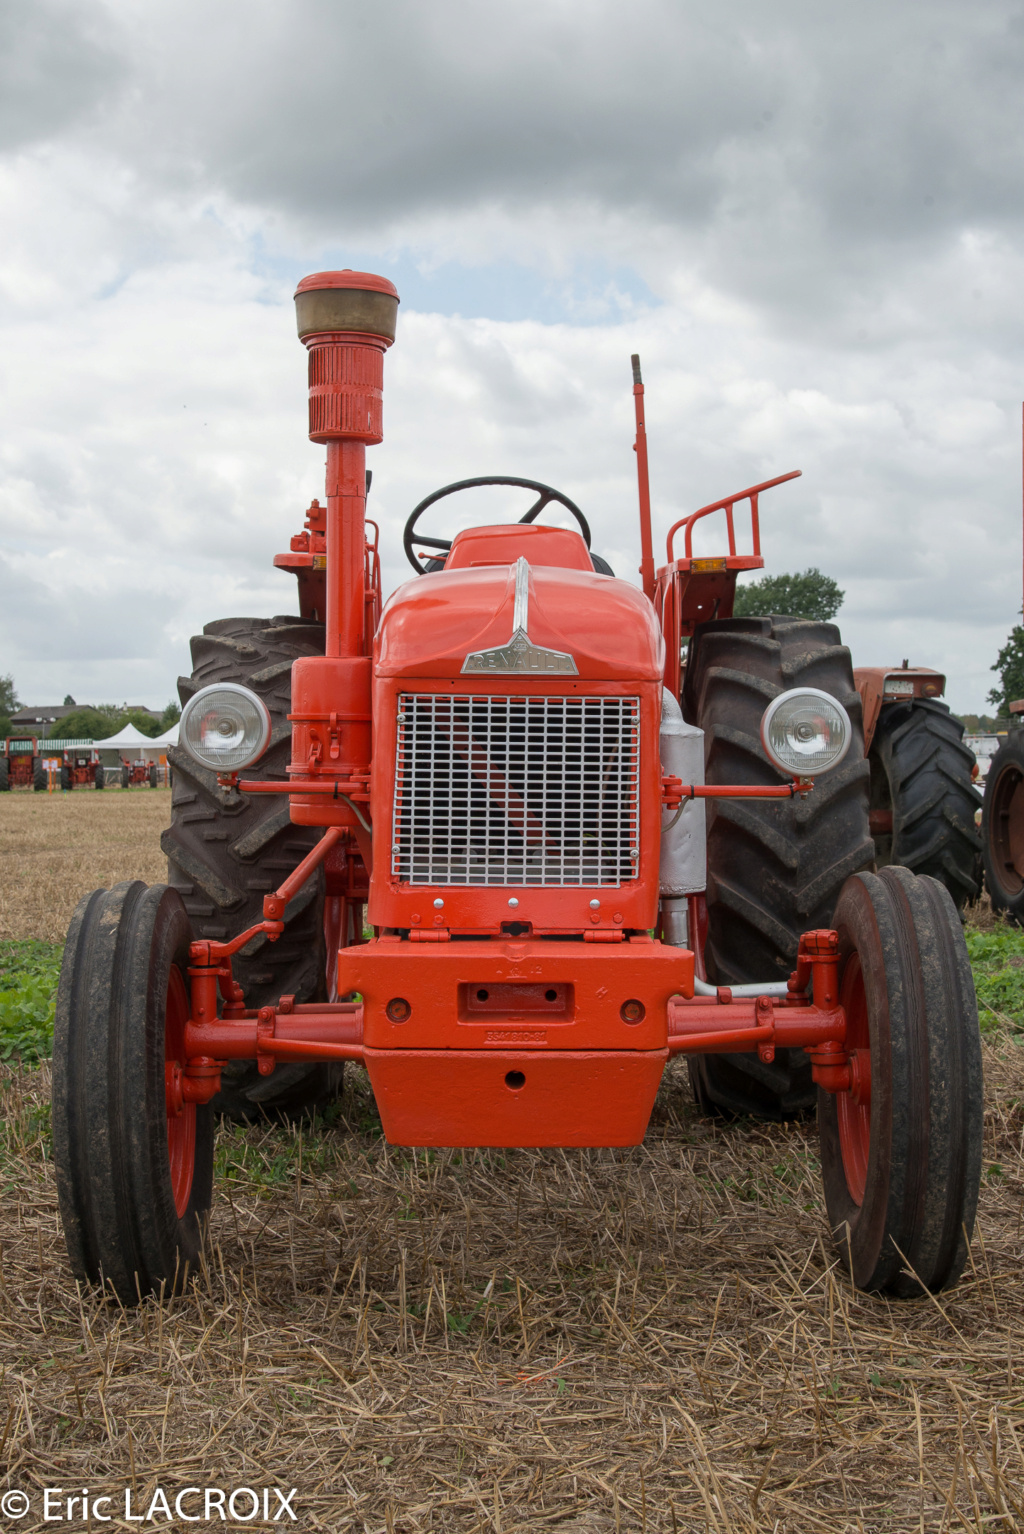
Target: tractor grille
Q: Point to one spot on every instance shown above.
(516, 790)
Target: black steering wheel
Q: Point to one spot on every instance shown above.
(546, 494)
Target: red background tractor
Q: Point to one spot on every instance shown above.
(19, 762)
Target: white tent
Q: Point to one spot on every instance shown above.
(168, 738)
(130, 743)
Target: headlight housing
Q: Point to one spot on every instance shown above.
(225, 727)
(805, 732)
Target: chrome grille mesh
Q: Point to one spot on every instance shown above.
(516, 790)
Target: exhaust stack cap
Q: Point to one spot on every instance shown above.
(349, 301)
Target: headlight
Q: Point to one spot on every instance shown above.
(805, 732)
(225, 727)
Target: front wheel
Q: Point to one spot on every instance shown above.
(901, 1156)
(134, 1178)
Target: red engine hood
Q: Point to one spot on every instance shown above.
(431, 623)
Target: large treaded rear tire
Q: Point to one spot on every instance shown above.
(775, 867)
(921, 772)
(226, 850)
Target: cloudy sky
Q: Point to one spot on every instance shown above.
(807, 219)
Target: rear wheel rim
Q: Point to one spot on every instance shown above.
(181, 1127)
(1007, 822)
(855, 1118)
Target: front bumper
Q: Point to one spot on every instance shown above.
(503, 1043)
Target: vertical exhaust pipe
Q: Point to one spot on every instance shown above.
(346, 321)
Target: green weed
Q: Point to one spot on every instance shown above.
(29, 972)
(997, 960)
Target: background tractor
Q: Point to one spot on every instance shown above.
(1002, 823)
(80, 768)
(513, 840)
(923, 800)
(19, 762)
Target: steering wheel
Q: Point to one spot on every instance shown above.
(546, 494)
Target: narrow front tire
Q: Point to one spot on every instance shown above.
(134, 1178)
(901, 1162)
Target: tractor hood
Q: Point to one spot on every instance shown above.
(519, 620)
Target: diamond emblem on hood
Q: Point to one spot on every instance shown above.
(520, 654)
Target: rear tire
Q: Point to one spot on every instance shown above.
(153, 775)
(5, 775)
(921, 774)
(98, 780)
(40, 778)
(134, 1182)
(775, 868)
(1002, 828)
(226, 850)
(901, 1172)
(126, 777)
(66, 780)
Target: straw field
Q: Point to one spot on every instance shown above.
(55, 848)
(652, 1339)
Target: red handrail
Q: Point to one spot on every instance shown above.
(726, 505)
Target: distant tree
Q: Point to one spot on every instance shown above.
(69, 702)
(978, 724)
(9, 704)
(1010, 665)
(100, 723)
(87, 724)
(807, 595)
(143, 722)
(170, 715)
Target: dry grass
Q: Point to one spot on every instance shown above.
(55, 848)
(653, 1339)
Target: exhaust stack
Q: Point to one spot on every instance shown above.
(346, 321)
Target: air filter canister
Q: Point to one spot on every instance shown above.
(347, 321)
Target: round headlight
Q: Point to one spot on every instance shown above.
(225, 727)
(805, 732)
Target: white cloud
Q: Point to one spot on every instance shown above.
(807, 225)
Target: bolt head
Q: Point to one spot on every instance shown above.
(595, 905)
(438, 903)
(513, 902)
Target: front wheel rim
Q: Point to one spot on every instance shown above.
(181, 1126)
(855, 1118)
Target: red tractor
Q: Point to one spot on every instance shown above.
(533, 831)
(1002, 826)
(924, 802)
(134, 773)
(20, 763)
(80, 768)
